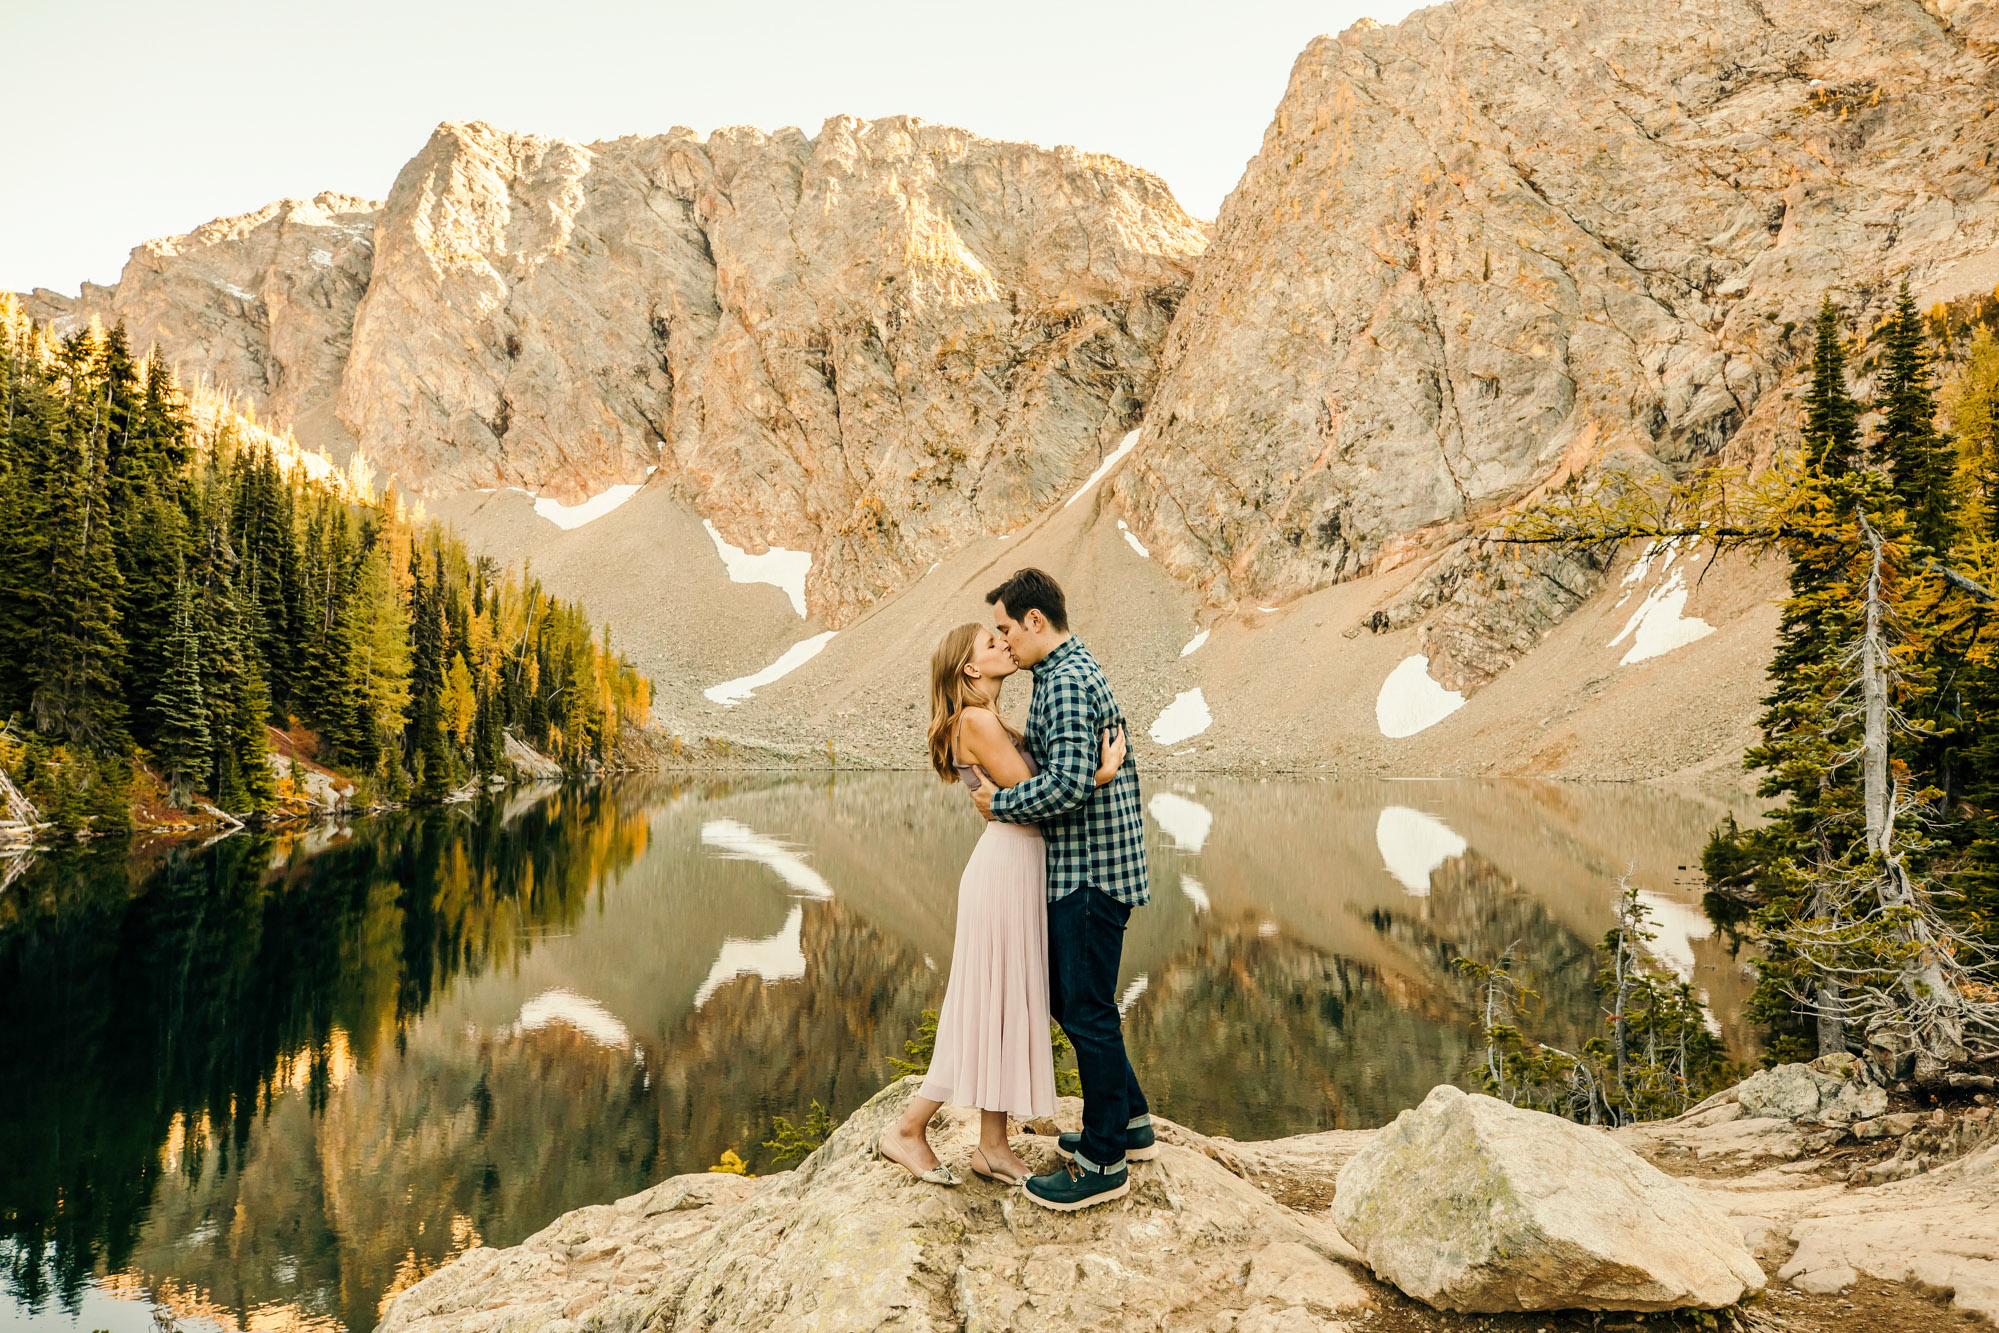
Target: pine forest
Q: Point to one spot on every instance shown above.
(183, 599)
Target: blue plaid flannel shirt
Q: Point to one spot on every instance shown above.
(1095, 835)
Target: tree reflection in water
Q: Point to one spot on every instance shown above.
(166, 1009)
(1256, 1034)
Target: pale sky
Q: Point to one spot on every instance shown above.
(136, 120)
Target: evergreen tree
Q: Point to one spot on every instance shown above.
(428, 760)
(264, 517)
(248, 777)
(1921, 472)
(167, 431)
(238, 703)
(1831, 438)
(488, 740)
(126, 461)
(182, 743)
(332, 703)
(80, 655)
(1908, 445)
(378, 628)
(1815, 615)
(29, 449)
(153, 542)
(1756, 873)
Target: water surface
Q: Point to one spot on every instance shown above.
(268, 1082)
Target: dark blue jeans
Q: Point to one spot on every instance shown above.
(1085, 941)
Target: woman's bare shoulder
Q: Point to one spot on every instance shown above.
(981, 724)
(980, 728)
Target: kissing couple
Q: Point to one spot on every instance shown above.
(1042, 904)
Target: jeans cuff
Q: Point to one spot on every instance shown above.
(1139, 1122)
(1090, 1166)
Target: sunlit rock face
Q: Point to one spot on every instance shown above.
(261, 305)
(871, 344)
(1504, 243)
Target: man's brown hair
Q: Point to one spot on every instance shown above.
(1033, 590)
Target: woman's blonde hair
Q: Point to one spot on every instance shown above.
(951, 693)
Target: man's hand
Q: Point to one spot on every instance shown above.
(1113, 755)
(982, 797)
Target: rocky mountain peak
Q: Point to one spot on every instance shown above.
(1501, 244)
(259, 305)
(870, 344)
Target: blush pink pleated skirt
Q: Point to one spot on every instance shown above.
(992, 1033)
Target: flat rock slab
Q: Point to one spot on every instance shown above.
(1467, 1203)
(845, 1242)
(1939, 1229)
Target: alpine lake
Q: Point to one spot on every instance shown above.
(267, 1082)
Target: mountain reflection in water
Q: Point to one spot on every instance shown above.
(274, 1080)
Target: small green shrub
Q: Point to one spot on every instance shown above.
(794, 1143)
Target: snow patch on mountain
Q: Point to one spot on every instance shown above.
(778, 567)
(1186, 716)
(1410, 701)
(732, 692)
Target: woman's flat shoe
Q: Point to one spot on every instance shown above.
(983, 1167)
(936, 1175)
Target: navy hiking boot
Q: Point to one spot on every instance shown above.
(1073, 1188)
(1139, 1145)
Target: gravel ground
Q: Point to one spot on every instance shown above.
(1291, 688)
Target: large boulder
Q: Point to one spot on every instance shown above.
(1829, 1090)
(1470, 1204)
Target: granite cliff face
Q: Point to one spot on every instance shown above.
(1501, 244)
(260, 306)
(867, 344)
(870, 344)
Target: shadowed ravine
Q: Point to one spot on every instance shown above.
(277, 1080)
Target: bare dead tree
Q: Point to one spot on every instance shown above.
(14, 863)
(19, 809)
(1628, 937)
(1501, 991)
(1916, 985)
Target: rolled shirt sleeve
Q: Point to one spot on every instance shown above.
(1071, 753)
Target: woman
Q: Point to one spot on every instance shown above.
(992, 1047)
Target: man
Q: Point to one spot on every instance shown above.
(1096, 875)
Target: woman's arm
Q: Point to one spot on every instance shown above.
(984, 741)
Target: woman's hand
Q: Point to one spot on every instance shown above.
(981, 790)
(1113, 755)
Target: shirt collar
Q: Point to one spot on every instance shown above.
(1059, 653)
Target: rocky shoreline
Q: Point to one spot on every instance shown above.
(1218, 1235)
(310, 793)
